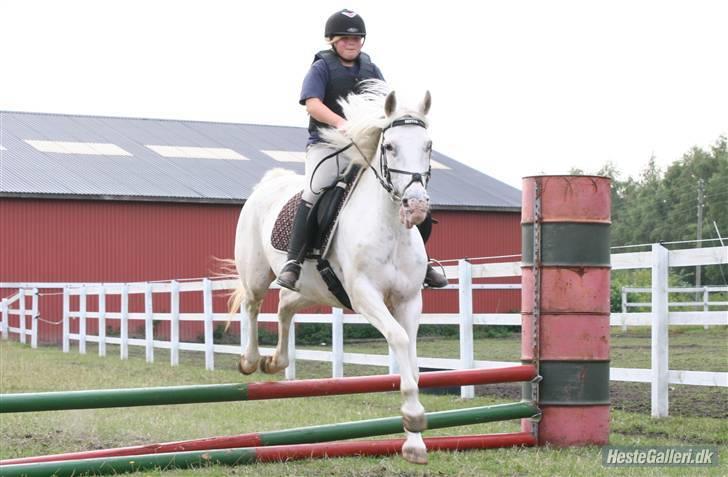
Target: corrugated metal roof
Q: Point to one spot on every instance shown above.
(146, 175)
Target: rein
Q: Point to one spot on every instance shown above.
(386, 173)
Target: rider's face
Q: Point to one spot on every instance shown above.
(348, 47)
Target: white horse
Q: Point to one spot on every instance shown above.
(376, 253)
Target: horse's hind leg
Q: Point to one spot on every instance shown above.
(289, 303)
(256, 278)
(249, 359)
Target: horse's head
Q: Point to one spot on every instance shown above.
(405, 158)
(404, 150)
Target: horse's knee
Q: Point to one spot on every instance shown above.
(398, 339)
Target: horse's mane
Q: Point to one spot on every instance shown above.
(365, 120)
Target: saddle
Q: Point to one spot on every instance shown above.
(322, 223)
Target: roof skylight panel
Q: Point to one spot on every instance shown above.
(76, 147)
(286, 156)
(193, 152)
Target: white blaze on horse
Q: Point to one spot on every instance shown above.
(376, 252)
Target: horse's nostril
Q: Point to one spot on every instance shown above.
(404, 202)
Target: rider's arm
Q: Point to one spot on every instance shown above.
(320, 112)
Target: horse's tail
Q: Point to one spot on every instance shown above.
(225, 268)
(234, 302)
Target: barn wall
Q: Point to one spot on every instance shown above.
(116, 241)
(112, 241)
(461, 234)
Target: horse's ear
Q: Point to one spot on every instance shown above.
(390, 104)
(426, 103)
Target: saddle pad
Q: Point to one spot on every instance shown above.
(283, 227)
(327, 215)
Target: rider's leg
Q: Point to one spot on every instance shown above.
(296, 248)
(433, 278)
(320, 173)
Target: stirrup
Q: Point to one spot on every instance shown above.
(289, 275)
(433, 278)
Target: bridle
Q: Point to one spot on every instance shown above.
(385, 172)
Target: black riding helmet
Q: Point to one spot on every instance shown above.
(345, 23)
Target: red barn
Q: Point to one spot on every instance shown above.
(100, 199)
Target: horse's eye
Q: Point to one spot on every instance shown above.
(428, 147)
(389, 147)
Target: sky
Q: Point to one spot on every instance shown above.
(519, 88)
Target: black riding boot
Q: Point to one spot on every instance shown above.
(296, 248)
(433, 278)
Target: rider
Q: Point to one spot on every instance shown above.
(333, 74)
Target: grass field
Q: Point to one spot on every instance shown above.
(45, 369)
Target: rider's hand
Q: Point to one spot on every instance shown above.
(341, 124)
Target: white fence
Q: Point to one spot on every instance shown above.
(705, 293)
(659, 260)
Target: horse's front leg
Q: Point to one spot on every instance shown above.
(407, 315)
(369, 303)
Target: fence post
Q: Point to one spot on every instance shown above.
(337, 342)
(209, 344)
(65, 319)
(660, 268)
(291, 369)
(124, 325)
(102, 320)
(706, 298)
(174, 323)
(465, 291)
(82, 320)
(21, 316)
(5, 318)
(624, 309)
(149, 322)
(393, 364)
(34, 320)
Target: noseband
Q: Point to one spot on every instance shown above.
(385, 172)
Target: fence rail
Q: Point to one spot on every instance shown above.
(659, 260)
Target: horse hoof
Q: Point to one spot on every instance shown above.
(245, 367)
(266, 365)
(414, 455)
(415, 423)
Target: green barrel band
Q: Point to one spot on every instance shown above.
(568, 244)
(572, 383)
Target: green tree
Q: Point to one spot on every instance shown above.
(661, 206)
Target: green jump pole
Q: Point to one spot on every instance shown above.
(105, 398)
(325, 433)
(120, 465)
(393, 425)
(242, 456)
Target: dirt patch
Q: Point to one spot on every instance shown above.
(688, 401)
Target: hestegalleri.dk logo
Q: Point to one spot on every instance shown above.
(657, 456)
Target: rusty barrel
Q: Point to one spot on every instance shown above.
(572, 215)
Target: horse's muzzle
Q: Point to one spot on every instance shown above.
(414, 211)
